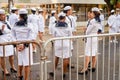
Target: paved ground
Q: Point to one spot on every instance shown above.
(111, 56)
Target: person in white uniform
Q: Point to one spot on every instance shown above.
(62, 47)
(91, 43)
(34, 19)
(118, 20)
(112, 23)
(5, 36)
(41, 24)
(69, 18)
(52, 21)
(102, 18)
(22, 31)
(75, 20)
(13, 17)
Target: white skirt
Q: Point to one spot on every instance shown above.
(9, 48)
(25, 58)
(63, 50)
(91, 47)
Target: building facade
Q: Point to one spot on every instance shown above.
(80, 6)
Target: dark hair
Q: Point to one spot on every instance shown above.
(40, 12)
(97, 16)
(33, 11)
(52, 14)
(23, 20)
(61, 17)
(13, 11)
(112, 13)
(65, 11)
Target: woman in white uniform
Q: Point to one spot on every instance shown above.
(34, 19)
(5, 36)
(23, 31)
(112, 24)
(92, 43)
(52, 21)
(13, 18)
(62, 47)
(41, 24)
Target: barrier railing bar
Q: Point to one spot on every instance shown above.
(114, 58)
(82, 36)
(103, 58)
(109, 47)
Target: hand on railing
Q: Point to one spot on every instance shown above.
(20, 47)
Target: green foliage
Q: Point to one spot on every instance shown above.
(112, 2)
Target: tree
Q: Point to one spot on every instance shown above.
(111, 4)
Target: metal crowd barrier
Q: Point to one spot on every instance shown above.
(107, 56)
(39, 62)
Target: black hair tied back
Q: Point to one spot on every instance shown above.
(97, 16)
(23, 21)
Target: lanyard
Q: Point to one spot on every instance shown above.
(70, 21)
(8, 26)
(88, 23)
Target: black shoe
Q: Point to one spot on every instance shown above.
(89, 65)
(85, 72)
(71, 66)
(93, 69)
(20, 78)
(64, 75)
(51, 74)
(6, 74)
(13, 70)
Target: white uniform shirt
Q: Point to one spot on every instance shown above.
(102, 21)
(21, 33)
(41, 23)
(112, 23)
(71, 22)
(93, 27)
(6, 37)
(34, 19)
(13, 18)
(51, 24)
(118, 23)
(75, 20)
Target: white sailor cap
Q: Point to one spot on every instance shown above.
(61, 14)
(112, 11)
(53, 11)
(23, 11)
(67, 7)
(14, 8)
(95, 9)
(2, 11)
(33, 9)
(40, 9)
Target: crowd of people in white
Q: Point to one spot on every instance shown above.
(20, 26)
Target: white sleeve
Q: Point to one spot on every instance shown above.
(31, 32)
(13, 34)
(29, 18)
(1, 26)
